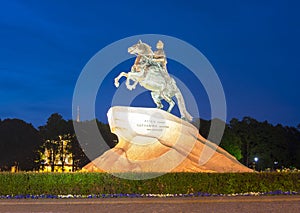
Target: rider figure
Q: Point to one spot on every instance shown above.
(159, 54)
(159, 57)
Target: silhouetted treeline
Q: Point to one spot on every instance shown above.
(21, 144)
(273, 146)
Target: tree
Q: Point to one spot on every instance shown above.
(79, 157)
(90, 144)
(204, 127)
(107, 135)
(19, 144)
(55, 135)
(232, 143)
(275, 146)
(60, 143)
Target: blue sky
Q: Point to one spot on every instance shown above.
(253, 46)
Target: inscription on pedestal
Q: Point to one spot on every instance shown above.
(153, 125)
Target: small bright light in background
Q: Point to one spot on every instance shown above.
(256, 159)
(275, 162)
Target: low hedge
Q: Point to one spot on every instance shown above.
(171, 183)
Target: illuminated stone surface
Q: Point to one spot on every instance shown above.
(152, 140)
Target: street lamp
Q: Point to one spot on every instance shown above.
(275, 165)
(255, 162)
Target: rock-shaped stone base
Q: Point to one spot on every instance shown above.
(152, 140)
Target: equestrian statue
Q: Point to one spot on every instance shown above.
(150, 71)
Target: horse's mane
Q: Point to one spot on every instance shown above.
(147, 48)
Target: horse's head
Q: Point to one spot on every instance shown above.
(140, 48)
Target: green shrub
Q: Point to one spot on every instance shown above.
(171, 183)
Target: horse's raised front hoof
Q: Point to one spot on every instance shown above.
(117, 84)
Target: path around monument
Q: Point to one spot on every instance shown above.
(198, 204)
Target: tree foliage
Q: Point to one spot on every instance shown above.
(232, 143)
(57, 131)
(19, 143)
(54, 133)
(274, 146)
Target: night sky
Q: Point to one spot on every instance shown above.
(254, 46)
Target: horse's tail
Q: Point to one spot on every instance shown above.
(181, 105)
